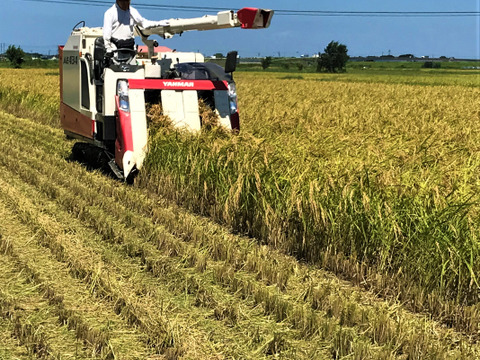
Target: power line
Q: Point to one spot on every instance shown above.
(281, 12)
(137, 5)
(326, 12)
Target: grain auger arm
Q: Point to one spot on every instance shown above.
(246, 18)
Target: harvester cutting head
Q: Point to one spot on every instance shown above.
(106, 105)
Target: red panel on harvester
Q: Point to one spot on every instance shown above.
(247, 17)
(124, 140)
(162, 84)
(76, 122)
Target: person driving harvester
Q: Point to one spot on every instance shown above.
(118, 25)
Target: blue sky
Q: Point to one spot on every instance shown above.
(40, 27)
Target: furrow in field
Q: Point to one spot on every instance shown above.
(30, 318)
(94, 324)
(10, 346)
(316, 295)
(29, 327)
(100, 272)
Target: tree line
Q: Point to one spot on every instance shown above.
(333, 59)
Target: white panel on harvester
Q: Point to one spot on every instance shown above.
(139, 125)
(222, 103)
(182, 108)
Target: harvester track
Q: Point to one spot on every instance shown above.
(121, 273)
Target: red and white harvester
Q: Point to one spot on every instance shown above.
(104, 105)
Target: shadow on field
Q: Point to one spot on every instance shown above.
(94, 159)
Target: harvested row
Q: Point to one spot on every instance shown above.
(70, 301)
(156, 263)
(29, 326)
(142, 301)
(327, 296)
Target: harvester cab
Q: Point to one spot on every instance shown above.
(103, 103)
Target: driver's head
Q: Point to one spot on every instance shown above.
(123, 4)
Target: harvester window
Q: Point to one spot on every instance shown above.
(85, 84)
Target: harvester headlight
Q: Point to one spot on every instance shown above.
(232, 97)
(122, 92)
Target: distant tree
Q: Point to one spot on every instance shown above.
(218, 56)
(431, 65)
(266, 62)
(334, 59)
(15, 56)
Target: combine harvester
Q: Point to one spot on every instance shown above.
(104, 104)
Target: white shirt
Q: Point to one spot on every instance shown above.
(118, 24)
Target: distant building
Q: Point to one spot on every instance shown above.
(156, 49)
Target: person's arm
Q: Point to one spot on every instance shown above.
(107, 32)
(144, 23)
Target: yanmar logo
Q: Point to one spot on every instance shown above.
(179, 84)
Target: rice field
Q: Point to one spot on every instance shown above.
(381, 176)
(341, 223)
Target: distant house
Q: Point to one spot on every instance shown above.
(48, 57)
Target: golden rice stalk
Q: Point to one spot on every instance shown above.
(156, 118)
(208, 116)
